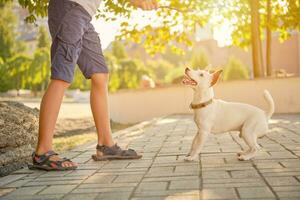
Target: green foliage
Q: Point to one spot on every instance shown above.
(174, 75)
(79, 81)
(5, 82)
(125, 73)
(178, 20)
(235, 70)
(18, 71)
(36, 8)
(39, 70)
(43, 38)
(160, 69)
(118, 50)
(199, 59)
(8, 23)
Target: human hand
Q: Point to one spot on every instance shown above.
(145, 4)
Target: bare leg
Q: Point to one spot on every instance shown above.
(99, 106)
(197, 145)
(49, 110)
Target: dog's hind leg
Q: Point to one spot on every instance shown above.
(251, 140)
(197, 145)
(243, 152)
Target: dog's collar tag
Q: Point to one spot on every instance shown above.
(201, 105)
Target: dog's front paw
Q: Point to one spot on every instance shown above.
(189, 158)
(243, 157)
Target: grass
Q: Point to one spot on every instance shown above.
(67, 140)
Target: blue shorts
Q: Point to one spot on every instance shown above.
(74, 41)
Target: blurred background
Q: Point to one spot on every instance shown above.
(256, 43)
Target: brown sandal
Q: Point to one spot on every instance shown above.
(43, 162)
(114, 153)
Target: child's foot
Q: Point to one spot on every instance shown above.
(113, 153)
(50, 161)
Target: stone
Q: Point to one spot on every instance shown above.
(18, 133)
(255, 192)
(219, 193)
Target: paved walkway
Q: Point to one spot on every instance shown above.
(162, 173)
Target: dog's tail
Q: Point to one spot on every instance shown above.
(271, 104)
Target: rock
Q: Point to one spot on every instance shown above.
(18, 135)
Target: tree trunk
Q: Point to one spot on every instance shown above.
(255, 39)
(268, 39)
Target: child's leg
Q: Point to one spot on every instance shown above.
(99, 105)
(49, 110)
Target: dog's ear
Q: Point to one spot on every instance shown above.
(215, 77)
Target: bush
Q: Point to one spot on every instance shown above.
(159, 69)
(199, 59)
(235, 70)
(175, 76)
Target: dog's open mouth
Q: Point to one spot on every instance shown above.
(188, 80)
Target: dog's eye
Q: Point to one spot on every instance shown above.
(201, 75)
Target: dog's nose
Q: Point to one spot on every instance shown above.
(187, 69)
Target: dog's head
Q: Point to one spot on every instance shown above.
(200, 79)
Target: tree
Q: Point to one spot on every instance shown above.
(43, 38)
(118, 50)
(17, 71)
(79, 81)
(235, 70)
(199, 59)
(5, 82)
(256, 39)
(38, 71)
(176, 22)
(268, 38)
(8, 22)
(124, 72)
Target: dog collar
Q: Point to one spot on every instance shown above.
(201, 105)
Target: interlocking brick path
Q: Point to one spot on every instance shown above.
(162, 174)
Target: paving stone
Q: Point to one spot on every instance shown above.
(57, 189)
(255, 192)
(90, 196)
(36, 182)
(286, 188)
(104, 185)
(232, 185)
(215, 174)
(34, 197)
(101, 190)
(4, 191)
(10, 178)
(27, 190)
(162, 173)
(114, 195)
(278, 181)
(233, 180)
(154, 193)
(183, 197)
(100, 179)
(17, 183)
(184, 184)
(289, 194)
(218, 193)
(128, 178)
(244, 174)
(170, 178)
(152, 186)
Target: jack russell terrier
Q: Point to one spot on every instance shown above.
(217, 116)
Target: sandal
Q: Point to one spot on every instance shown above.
(43, 162)
(114, 153)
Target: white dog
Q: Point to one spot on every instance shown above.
(217, 116)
